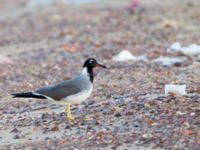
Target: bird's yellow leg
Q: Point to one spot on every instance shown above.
(68, 111)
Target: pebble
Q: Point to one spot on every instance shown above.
(15, 130)
(16, 136)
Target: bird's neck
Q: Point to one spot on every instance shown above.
(88, 72)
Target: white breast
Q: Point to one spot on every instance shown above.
(87, 87)
(80, 97)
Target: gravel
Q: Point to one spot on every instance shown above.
(128, 108)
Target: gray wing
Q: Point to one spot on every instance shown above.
(60, 90)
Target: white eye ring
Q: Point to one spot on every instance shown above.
(91, 61)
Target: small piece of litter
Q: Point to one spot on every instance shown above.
(125, 55)
(180, 113)
(169, 61)
(147, 136)
(192, 49)
(175, 89)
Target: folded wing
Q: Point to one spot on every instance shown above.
(59, 91)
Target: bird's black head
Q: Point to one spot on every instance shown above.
(91, 63)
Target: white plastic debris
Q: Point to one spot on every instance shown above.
(192, 49)
(175, 89)
(169, 61)
(125, 55)
(147, 136)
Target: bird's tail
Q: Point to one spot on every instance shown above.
(28, 95)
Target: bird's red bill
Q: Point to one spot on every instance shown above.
(100, 65)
